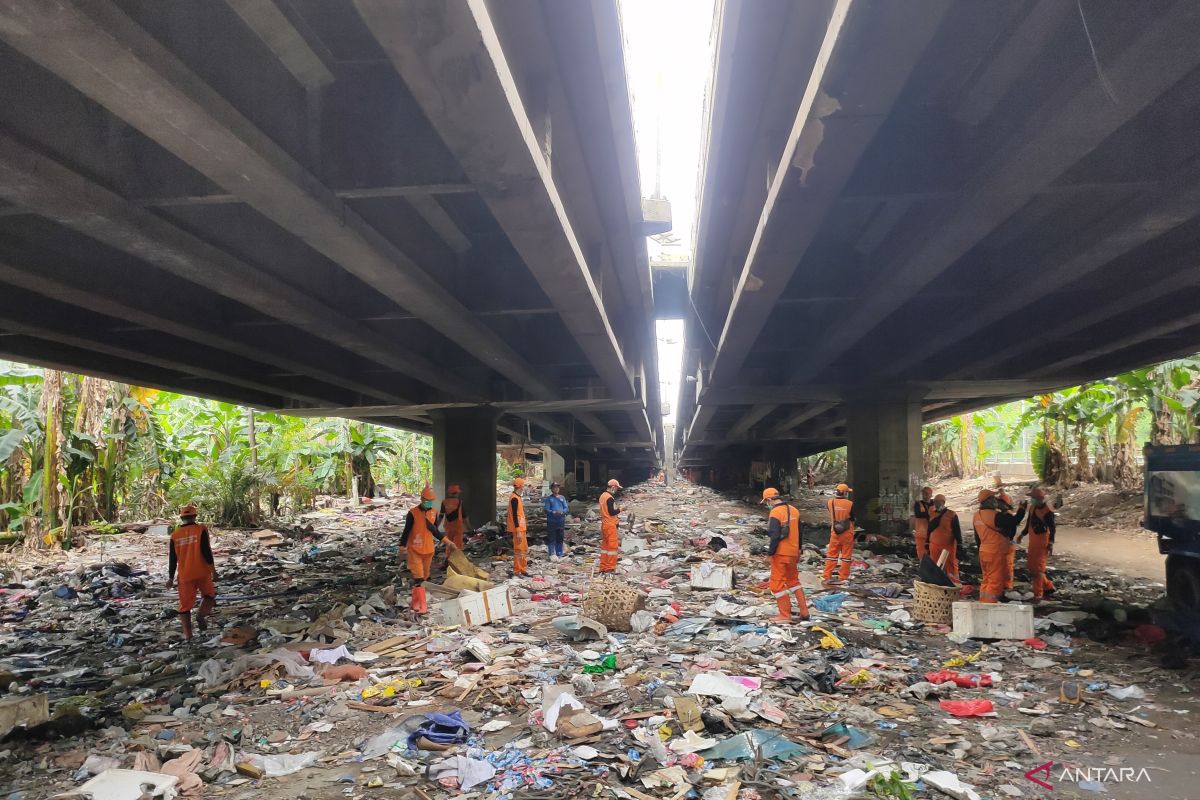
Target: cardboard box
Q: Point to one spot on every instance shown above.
(993, 620)
(23, 711)
(476, 608)
(712, 576)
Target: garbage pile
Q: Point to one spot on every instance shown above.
(664, 682)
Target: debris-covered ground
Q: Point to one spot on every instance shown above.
(317, 681)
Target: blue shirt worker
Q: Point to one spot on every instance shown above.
(556, 521)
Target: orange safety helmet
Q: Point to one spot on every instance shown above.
(985, 494)
(427, 493)
(188, 511)
(1004, 498)
(841, 488)
(453, 489)
(613, 483)
(519, 483)
(769, 494)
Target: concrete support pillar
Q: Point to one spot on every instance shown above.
(464, 452)
(884, 453)
(784, 466)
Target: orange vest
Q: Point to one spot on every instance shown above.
(840, 508)
(518, 524)
(420, 538)
(789, 520)
(606, 517)
(990, 537)
(944, 532)
(921, 524)
(1041, 512)
(449, 506)
(189, 562)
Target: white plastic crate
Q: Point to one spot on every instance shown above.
(476, 608)
(993, 620)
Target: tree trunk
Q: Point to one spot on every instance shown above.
(50, 408)
(1083, 466)
(1160, 424)
(1124, 475)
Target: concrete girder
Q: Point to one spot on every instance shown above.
(448, 54)
(277, 32)
(109, 58)
(55, 192)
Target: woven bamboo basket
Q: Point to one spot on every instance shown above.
(612, 603)
(934, 604)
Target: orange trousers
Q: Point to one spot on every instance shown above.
(455, 536)
(520, 552)
(785, 584)
(419, 564)
(1035, 560)
(921, 531)
(188, 591)
(610, 545)
(839, 555)
(937, 546)
(1010, 568)
(993, 560)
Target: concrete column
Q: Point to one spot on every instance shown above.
(784, 466)
(464, 452)
(884, 453)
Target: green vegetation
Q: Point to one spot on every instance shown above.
(1085, 433)
(77, 450)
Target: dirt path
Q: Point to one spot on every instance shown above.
(1130, 553)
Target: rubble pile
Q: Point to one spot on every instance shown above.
(316, 680)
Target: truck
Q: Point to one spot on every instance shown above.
(1172, 511)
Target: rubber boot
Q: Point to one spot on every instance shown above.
(418, 600)
(785, 610)
(185, 620)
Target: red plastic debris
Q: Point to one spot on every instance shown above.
(967, 708)
(1150, 635)
(1036, 643)
(965, 681)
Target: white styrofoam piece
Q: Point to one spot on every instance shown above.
(993, 620)
(712, 576)
(126, 784)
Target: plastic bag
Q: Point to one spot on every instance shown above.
(967, 708)
(965, 681)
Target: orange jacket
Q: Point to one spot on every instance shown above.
(608, 505)
(420, 531)
(514, 518)
(453, 514)
(191, 553)
(840, 508)
(784, 523)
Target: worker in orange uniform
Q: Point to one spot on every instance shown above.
(1040, 528)
(191, 557)
(784, 549)
(841, 535)
(452, 518)
(515, 525)
(610, 526)
(945, 535)
(417, 544)
(921, 521)
(995, 529)
(1006, 504)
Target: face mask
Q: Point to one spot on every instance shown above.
(426, 504)
(939, 507)
(1038, 501)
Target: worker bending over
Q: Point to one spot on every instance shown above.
(191, 557)
(841, 535)
(784, 549)
(995, 529)
(452, 518)
(920, 521)
(556, 521)
(514, 523)
(610, 525)
(1040, 528)
(945, 536)
(417, 543)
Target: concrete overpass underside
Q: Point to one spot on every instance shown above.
(426, 214)
(911, 210)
